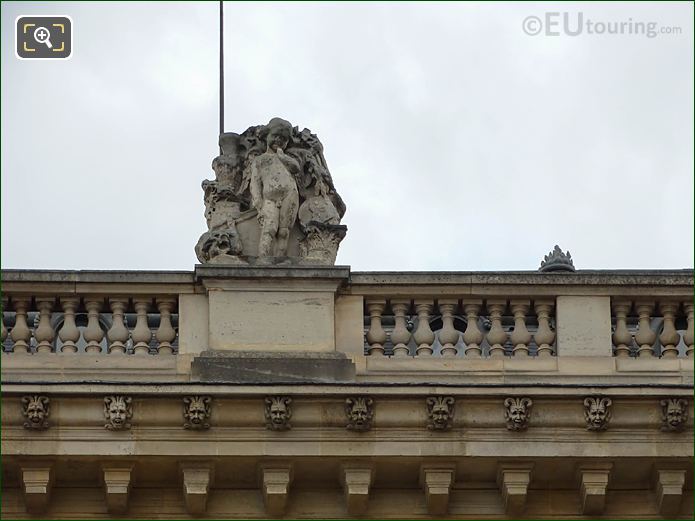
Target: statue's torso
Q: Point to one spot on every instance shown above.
(276, 179)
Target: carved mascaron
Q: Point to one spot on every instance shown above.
(440, 412)
(360, 412)
(278, 413)
(196, 412)
(674, 414)
(517, 413)
(597, 412)
(36, 409)
(117, 411)
(272, 200)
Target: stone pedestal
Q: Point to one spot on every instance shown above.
(271, 309)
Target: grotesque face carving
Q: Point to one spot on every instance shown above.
(674, 414)
(36, 410)
(440, 410)
(359, 413)
(196, 412)
(597, 413)
(517, 413)
(278, 413)
(117, 411)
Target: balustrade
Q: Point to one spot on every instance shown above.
(468, 328)
(650, 329)
(73, 325)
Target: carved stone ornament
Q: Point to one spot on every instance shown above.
(597, 412)
(272, 201)
(196, 412)
(440, 412)
(278, 413)
(674, 414)
(517, 413)
(360, 412)
(557, 260)
(117, 411)
(36, 409)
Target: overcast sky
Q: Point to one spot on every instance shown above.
(457, 141)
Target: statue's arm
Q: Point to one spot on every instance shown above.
(291, 163)
(256, 187)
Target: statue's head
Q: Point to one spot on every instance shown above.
(517, 412)
(223, 166)
(277, 412)
(597, 412)
(278, 134)
(359, 412)
(35, 411)
(219, 242)
(117, 411)
(674, 413)
(196, 411)
(441, 411)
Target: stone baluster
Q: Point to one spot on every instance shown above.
(520, 337)
(669, 337)
(141, 334)
(689, 336)
(448, 336)
(44, 333)
(424, 337)
(93, 334)
(376, 336)
(544, 336)
(622, 339)
(3, 333)
(497, 336)
(645, 337)
(400, 336)
(69, 334)
(21, 334)
(117, 335)
(472, 337)
(165, 333)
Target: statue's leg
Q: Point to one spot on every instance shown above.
(269, 219)
(288, 214)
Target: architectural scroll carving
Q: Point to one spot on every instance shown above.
(36, 409)
(597, 412)
(278, 413)
(117, 411)
(440, 412)
(674, 414)
(517, 413)
(196, 412)
(360, 412)
(272, 200)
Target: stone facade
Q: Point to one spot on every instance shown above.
(315, 392)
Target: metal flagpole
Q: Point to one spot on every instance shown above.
(221, 69)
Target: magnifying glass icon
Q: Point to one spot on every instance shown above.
(43, 35)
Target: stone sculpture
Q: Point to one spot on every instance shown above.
(557, 260)
(597, 412)
(360, 412)
(440, 412)
(117, 411)
(196, 412)
(278, 413)
(36, 409)
(272, 201)
(674, 414)
(517, 413)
